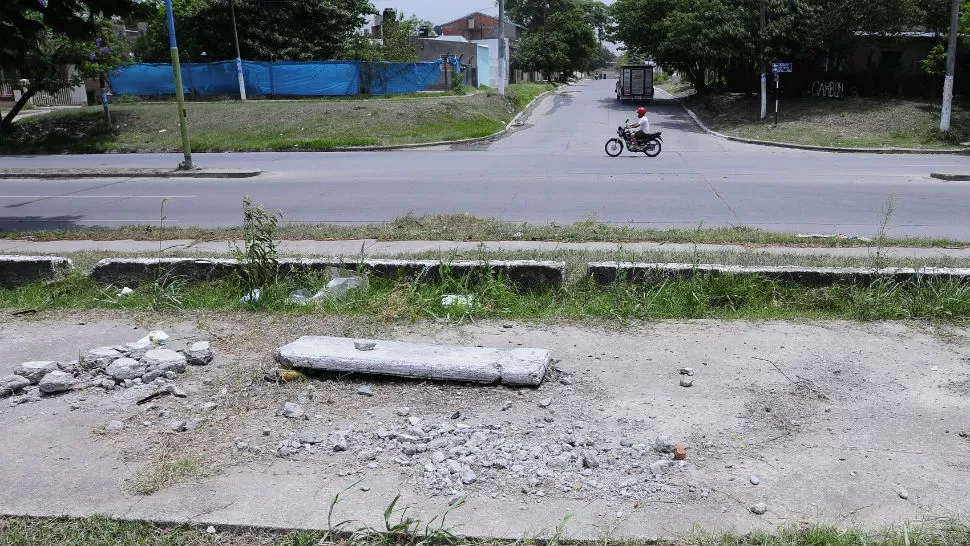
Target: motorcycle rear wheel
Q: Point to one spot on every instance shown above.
(652, 148)
(614, 147)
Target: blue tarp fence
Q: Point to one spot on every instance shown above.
(286, 78)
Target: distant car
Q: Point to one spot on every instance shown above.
(634, 82)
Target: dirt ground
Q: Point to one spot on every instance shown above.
(837, 421)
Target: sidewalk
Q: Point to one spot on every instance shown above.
(372, 247)
(840, 422)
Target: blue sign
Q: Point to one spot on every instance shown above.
(780, 67)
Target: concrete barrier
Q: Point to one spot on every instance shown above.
(518, 367)
(608, 272)
(20, 270)
(133, 271)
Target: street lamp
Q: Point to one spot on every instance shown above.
(179, 96)
(764, 79)
(235, 35)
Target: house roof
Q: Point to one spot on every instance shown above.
(474, 13)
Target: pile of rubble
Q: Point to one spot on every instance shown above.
(139, 363)
(451, 458)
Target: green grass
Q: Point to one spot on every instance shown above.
(318, 124)
(852, 123)
(104, 531)
(521, 94)
(700, 297)
(464, 227)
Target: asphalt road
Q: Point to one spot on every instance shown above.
(553, 168)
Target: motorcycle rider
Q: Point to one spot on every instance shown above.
(643, 126)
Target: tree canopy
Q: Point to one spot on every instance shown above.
(40, 39)
(268, 29)
(693, 35)
(561, 35)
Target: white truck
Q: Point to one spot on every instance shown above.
(634, 82)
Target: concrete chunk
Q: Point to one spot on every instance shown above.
(20, 270)
(439, 362)
(134, 271)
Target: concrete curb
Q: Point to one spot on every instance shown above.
(134, 271)
(20, 270)
(951, 177)
(609, 272)
(516, 367)
(127, 173)
(913, 151)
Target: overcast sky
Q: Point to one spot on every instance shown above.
(440, 11)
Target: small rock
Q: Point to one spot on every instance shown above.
(438, 457)
(114, 426)
(108, 384)
(36, 370)
(415, 421)
(590, 460)
(55, 382)
(506, 405)
(365, 391)
(125, 368)
(664, 445)
(403, 412)
(680, 452)
(686, 371)
(468, 476)
(199, 353)
(545, 402)
(364, 346)
(292, 411)
(903, 494)
(754, 480)
(179, 426)
(365, 488)
(9, 384)
(626, 443)
(159, 361)
(100, 358)
(661, 467)
(176, 392)
(338, 442)
(685, 382)
(267, 432)
(456, 415)
(171, 375)
(759, 508)
(566, 380)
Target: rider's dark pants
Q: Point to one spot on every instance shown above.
(640, 137)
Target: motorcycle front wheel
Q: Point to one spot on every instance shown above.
(614, 147)
(652, 148)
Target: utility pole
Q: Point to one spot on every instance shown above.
(501, 47)
(235, 35)
(764, 80)
(951, 64)
(179, 96)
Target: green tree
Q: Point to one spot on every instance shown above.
(394, 45)
(559, 36)
(285, 30)
(55, 45)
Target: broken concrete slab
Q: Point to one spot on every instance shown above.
(525, 367)
(20, 270)
(608, 272)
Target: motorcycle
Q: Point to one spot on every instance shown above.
(650, 147)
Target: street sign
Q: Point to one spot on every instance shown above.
(780, 67)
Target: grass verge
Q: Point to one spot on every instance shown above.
(464, 227)
(271, 125)
(853, 122)
(699, 297)
(104, 531)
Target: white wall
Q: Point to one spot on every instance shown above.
(493, 60)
